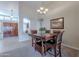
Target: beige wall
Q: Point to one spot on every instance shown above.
(70, 12)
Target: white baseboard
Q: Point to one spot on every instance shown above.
(70, 46)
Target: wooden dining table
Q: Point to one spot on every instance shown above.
(42, 37)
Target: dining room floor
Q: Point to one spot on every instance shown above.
(25, 49)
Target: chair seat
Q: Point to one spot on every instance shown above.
(47, 45)
(49, 42)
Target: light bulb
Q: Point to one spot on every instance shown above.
(46, 9)
(41, 8)
(38, 10)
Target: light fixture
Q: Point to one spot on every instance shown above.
(46, 9)
(11, 13)
(38, 10)
(42, 10)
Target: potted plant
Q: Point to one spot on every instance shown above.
(42, 30)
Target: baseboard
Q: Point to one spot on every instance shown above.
(70, 46)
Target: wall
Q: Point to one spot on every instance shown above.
(26, 12)
(70, 12)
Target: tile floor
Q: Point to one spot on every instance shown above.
(12, 47)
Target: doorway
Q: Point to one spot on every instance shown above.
(26, 25)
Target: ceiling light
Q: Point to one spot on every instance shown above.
(41, 8)
(38, 10)
(46, 9)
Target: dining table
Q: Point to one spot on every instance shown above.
(42, 37)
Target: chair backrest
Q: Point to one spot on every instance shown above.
(56, 31)
(47, 31)
(33, 31)
(59, 37)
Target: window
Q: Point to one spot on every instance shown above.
(15, 19)
(25, 20)
(7, 18)
(1, 17)
(26, 23)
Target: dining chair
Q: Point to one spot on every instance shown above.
(33, 38)
(33, 31)
(54, 44)
(56, 47)
(41, 44)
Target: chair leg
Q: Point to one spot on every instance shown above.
(32, 42)
(55, 53)
(60, 51)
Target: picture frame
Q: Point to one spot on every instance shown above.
(57, 23)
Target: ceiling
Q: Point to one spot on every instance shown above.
(53, 6)
(37, 4)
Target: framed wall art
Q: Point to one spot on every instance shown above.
(57, 23)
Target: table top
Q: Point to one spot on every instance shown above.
(44, 36)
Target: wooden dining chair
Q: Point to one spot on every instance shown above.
(41, 45)
(33, 37)
(56, 47)
(54, 44)
(33, 31)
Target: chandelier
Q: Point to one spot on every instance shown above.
(42, 10)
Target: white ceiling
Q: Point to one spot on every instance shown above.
(37, 4)
(53, 6)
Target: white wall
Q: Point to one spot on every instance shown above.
(70, 12)
(26, 12)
